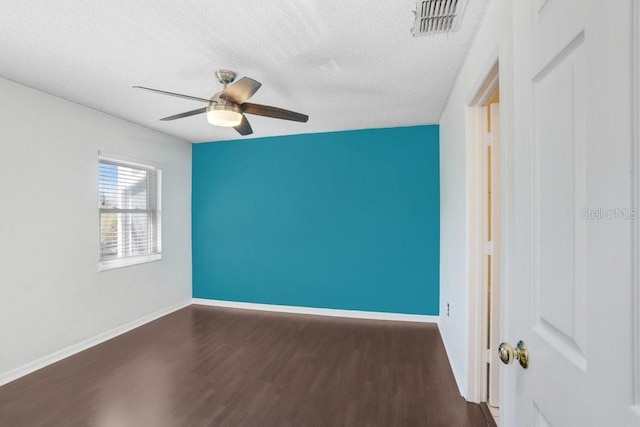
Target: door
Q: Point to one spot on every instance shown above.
(569, 227)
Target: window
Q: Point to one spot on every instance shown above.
(129, 205)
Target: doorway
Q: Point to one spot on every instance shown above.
(491, 287)
(484, 238)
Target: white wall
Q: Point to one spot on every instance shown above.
(492, 41)
(51, 294)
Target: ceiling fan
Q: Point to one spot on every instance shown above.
(228, 107)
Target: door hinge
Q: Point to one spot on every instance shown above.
(489, 247)
(489, 139)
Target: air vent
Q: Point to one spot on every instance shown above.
(437, 16)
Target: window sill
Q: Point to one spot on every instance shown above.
(127, 262)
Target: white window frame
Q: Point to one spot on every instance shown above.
(126, 261)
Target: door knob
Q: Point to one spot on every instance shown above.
(508, 354)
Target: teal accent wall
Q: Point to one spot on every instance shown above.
(344, 220)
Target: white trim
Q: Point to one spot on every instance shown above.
(487, 82)
(127, 261)
(456, 374)
(486, 86)
(332, 312)
(40, 363)
(131, 161)
(476, 244)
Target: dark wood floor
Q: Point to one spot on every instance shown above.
(204, 366)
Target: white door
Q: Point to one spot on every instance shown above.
(569, 276)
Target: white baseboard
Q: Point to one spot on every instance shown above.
(456, 374)
(30, 367)
(354, 314)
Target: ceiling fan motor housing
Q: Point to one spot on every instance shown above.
(226, 76)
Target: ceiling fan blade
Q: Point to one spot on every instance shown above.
(179, 95)
(241, 90)
(275, 112)
(244, 128)
(186, 114)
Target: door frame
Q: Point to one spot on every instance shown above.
(493, 77)
(477, 204)
(498, 61)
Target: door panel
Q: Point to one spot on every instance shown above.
(554, 26)
(539, 420)
(559, 192)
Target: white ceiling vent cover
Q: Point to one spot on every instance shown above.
(437, 16)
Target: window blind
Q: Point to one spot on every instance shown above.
(129, 204)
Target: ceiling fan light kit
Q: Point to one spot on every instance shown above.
(228, 115)
(228, 108)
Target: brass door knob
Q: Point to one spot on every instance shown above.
(508, 354)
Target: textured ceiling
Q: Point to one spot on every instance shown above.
(347, 64)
